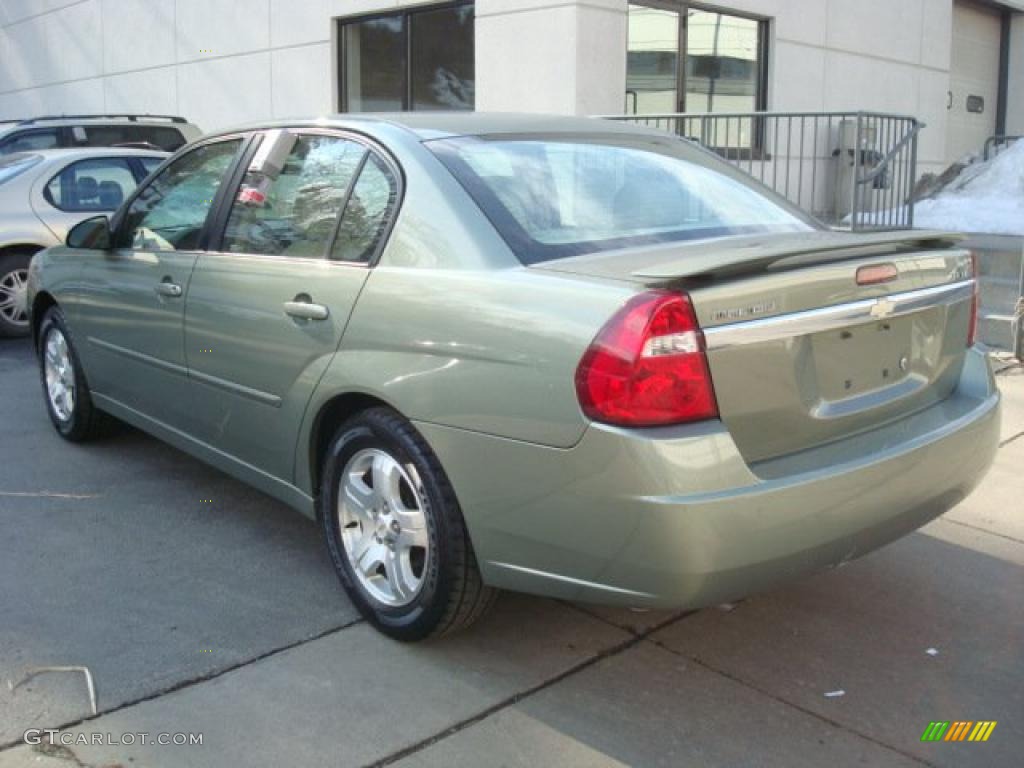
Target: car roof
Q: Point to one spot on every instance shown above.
(438, 125)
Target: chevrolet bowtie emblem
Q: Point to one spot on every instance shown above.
(883, 308)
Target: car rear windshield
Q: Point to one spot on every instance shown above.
(12, 165)
(551, 197)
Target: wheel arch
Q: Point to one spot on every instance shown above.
(19, 247)
(42, 302)
(330, 416)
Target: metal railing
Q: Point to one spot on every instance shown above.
(849, 169)
(996, 144)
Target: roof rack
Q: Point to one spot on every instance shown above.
(128, 116)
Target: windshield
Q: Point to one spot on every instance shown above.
(553, 197)
(12, 165)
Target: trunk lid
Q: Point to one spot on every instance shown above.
(800, 353)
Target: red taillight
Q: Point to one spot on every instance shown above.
(647, 366)
(972, 333)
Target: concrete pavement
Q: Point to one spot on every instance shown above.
(224, 618)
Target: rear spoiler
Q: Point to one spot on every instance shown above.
(791, 251)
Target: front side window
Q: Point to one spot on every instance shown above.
(413, 60)
(558, 197)
(100, 184)
(294, 211)
(31, 140)
(169, 213)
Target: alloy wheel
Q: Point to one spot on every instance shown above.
(14, 297)
(383, 526)
(59, 371)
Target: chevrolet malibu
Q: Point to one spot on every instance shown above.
(562, 356)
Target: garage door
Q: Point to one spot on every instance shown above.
(973, 78)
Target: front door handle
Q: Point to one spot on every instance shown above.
(167, 288)
(306, 310)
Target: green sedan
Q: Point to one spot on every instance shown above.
(563, 356)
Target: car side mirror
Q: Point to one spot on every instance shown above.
(92, 234)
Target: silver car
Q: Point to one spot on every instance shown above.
(43, 194)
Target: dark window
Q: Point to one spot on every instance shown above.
(681, 58)
(415, 59)
(170, 211)
(100, 184)
(294, 212)
(367, 213)
(157, 136)
(442, 59)
(27, 141)
(375, 65)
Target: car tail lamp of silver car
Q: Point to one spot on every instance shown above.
(647, 366)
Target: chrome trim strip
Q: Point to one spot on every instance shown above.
(839, 316)
(131, 354)
(229, 386)
(259, 396)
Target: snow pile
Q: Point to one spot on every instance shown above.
(986, 197)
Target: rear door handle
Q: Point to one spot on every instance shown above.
(167, 288)
(306, 310)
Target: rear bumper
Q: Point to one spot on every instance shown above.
(676, 518)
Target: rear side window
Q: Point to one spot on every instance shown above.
(100, 184)
(367, 213)
(162, 137)
(561, 196)
(150, 164)
(294, 212)
(170, 211)
(13, 165)
(26, 141)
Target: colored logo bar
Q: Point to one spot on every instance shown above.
(958, 730)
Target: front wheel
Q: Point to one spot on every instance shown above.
(395, 532)
(68, 400)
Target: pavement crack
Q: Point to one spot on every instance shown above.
(605, 620)
(1010, 439)
(519, 696)
(982, 530)
(184, 684)
(786, 702)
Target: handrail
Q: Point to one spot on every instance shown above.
(883, 164)
(855, 169)
(996, 139)
(698, 115)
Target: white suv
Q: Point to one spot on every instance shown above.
(161, 132)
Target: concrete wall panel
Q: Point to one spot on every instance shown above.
(295, 93)
(137, 34)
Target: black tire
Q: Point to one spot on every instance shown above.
(84, 421)
(452, 594)
(13, 266)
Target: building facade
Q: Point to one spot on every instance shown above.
(957, 65)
